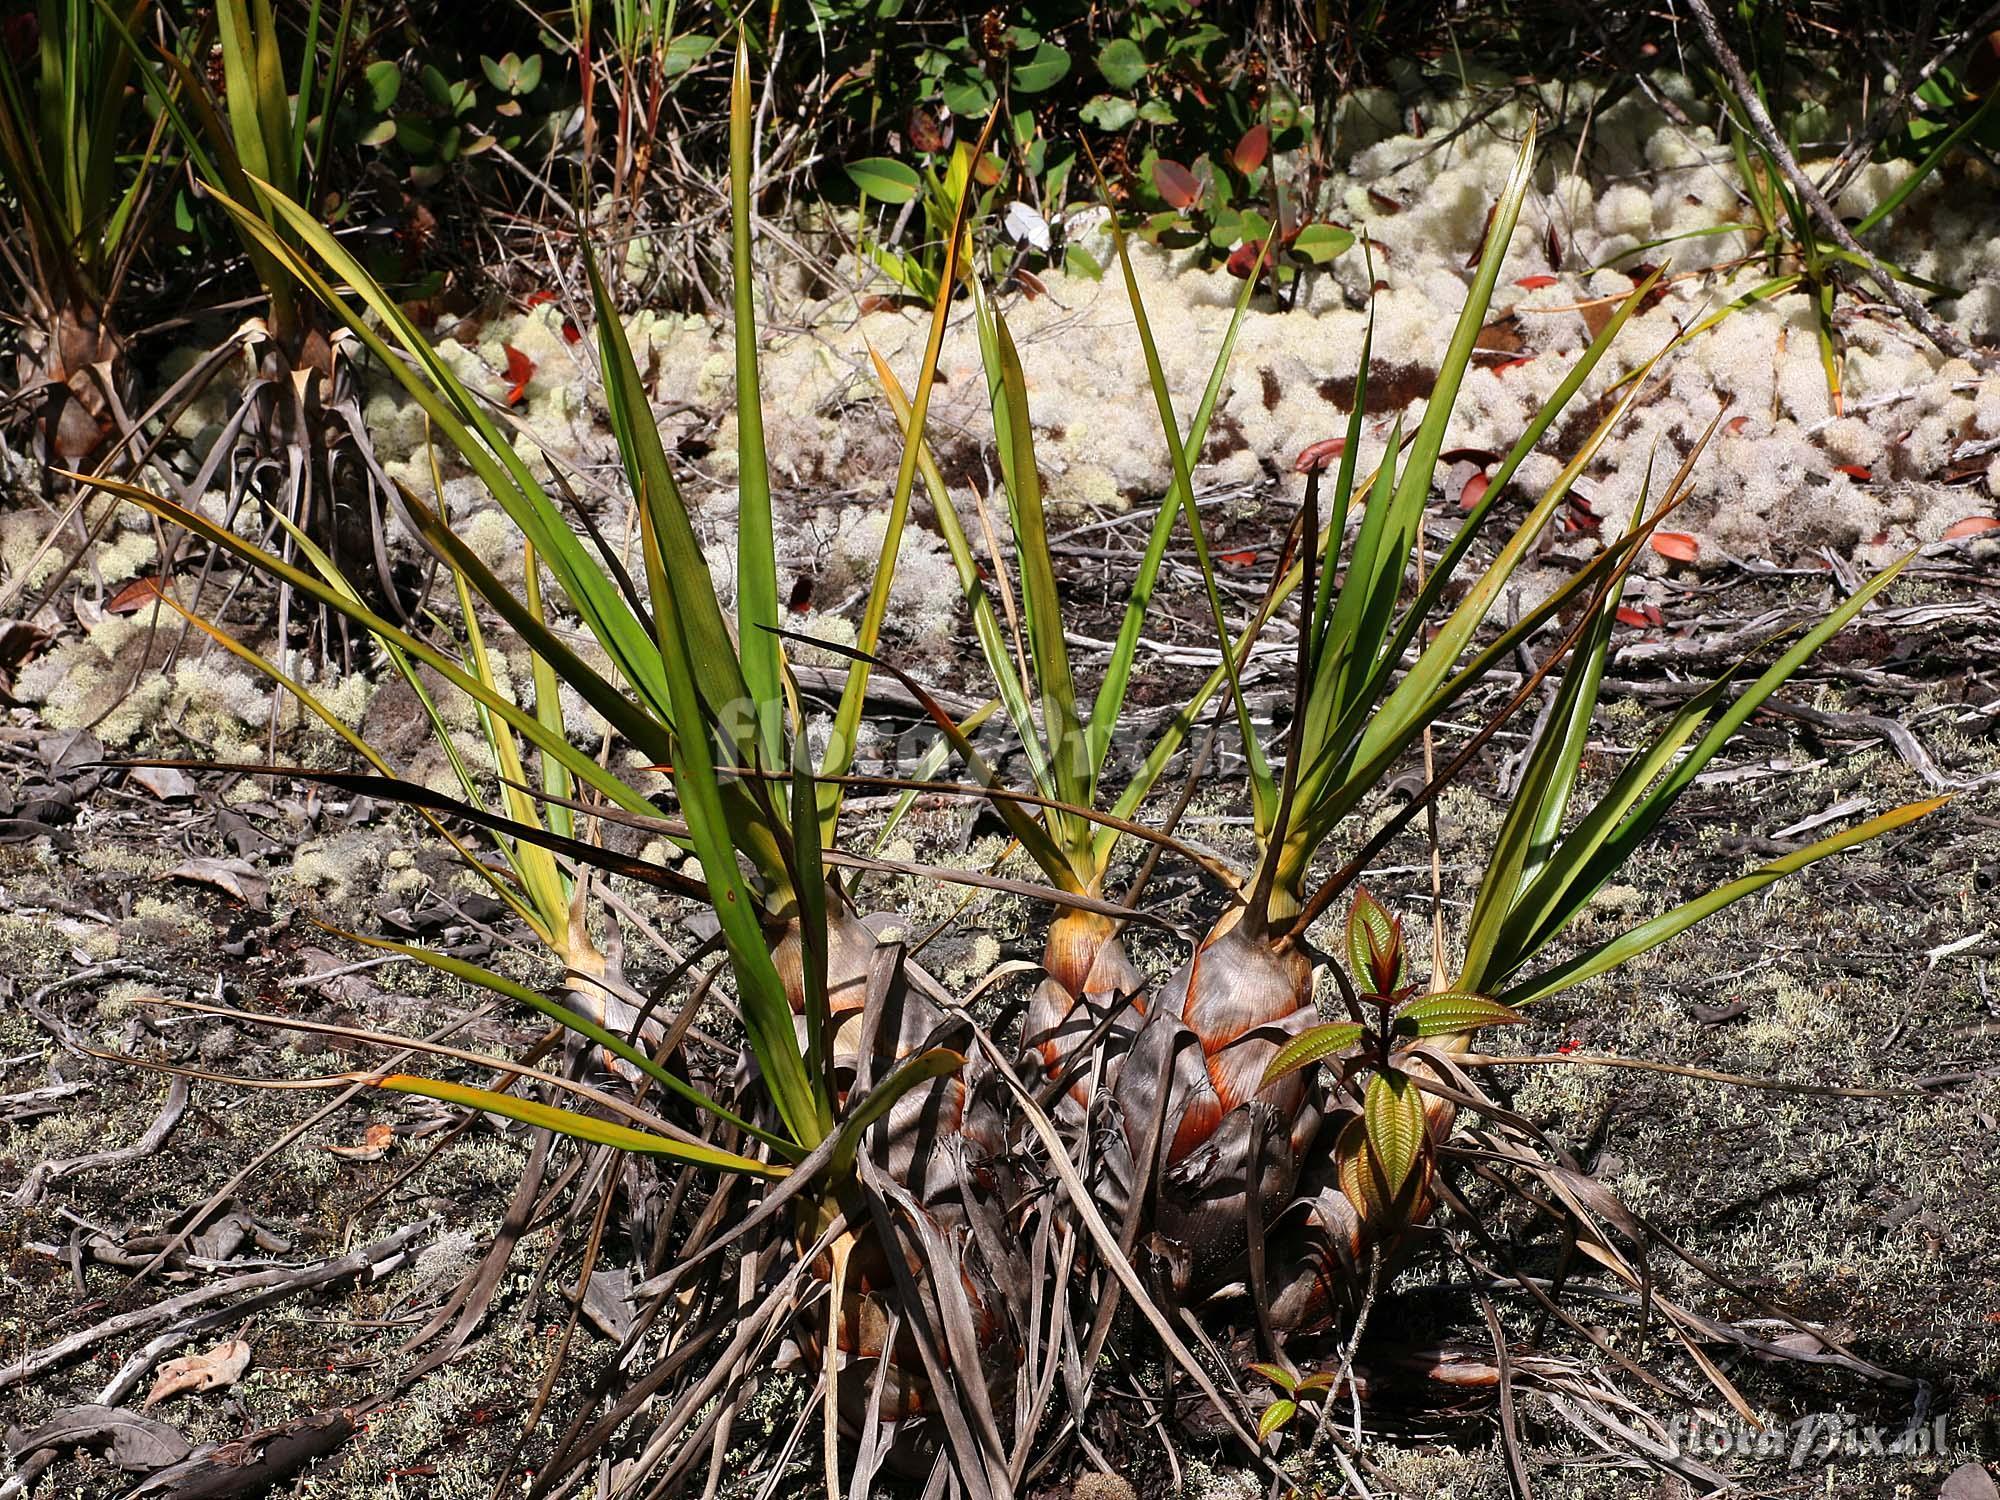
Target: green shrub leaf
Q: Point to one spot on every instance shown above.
(1453, 1011)
(885, 179)
(1121, 62)
(1309, 1047)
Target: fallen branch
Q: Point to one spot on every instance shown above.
(263, 1287)
(43, 1173)
(1920, 317)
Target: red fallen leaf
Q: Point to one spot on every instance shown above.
(874, 302)
(1318, 455)
(1736, 425)
(929, 129)
(520, 370)
(1880, 539)
(801, 600)
(1638, 616)
(1971, 526)
(1241, 559)
(570, 332)
(1028, 282)
(1252, 149)
(1536, 283)
(1514, 364)
(1479, 457)
(1475, 490)
(1676, 546)
(1855, 471)
(536, 299)
(1244, 258)
(1581, 517)
(134, 596)
(1176, 183)
(1384, 203)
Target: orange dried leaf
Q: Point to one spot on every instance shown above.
(1971, 526)
(375, 1143)
(520, 370)
(1252, 149)
(1676, 546)
(223, 1365)
(1318, 455)
(135, 596)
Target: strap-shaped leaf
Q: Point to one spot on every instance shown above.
(1048, 650)
(473, 435)
(585, 767)
(582, 1025)
(1452, 1011)
(1263, 788)
(1629, 945)
(578, 1126)
(756, 544)
(1617, 847)
(1110, 700)
(839, 757)
(1308, 1047)
(1393, 1109)
(918, 1070)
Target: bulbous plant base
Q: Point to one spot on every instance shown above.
(77, 359)
(928, 1256)
(1091, 982)
(1194, 1130)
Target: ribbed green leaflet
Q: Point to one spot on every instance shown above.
(1393, 1108)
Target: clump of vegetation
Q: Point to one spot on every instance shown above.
(935, 1193)
(957, 1209)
